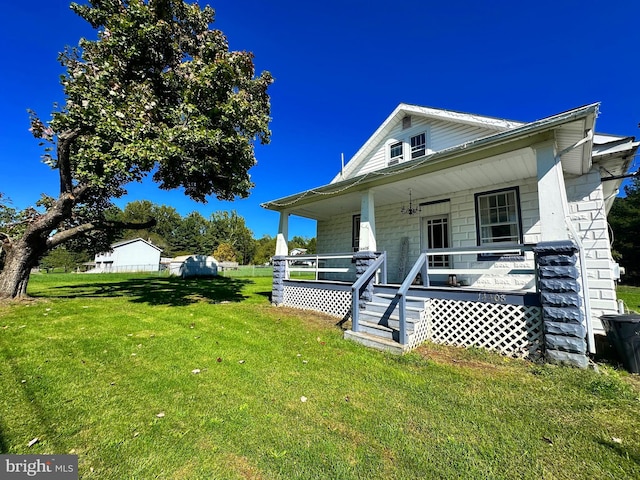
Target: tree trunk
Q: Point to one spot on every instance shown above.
(14, 278)
(23, 254)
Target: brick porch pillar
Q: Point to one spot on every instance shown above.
(364, 259)
(562, 315)
(279, 275)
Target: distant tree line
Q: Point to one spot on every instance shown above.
(224, 235)
(624, 219)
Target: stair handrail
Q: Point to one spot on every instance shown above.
(420, 266)
(364, 279)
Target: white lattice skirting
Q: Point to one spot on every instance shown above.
(332, 302)
(514, 330)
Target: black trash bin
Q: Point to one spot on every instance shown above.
(623, 331)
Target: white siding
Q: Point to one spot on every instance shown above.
(135, 256)
(586, 208)
(335, 236)
(440, 136)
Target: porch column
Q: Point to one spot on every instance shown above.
(279, 261)
(552, 194)
(367, 223)
(562, 318)
(283, 235)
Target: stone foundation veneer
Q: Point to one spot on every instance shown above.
(363, 260)
(562, 315)
(279, 274)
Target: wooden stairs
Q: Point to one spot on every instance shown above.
(379, 323)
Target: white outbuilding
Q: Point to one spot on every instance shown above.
(135, 255)
(194, 266)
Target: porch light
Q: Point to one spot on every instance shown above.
(411, 210)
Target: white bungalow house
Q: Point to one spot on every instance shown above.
(136, 255)
(472, 203)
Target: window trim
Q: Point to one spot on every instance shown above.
(355, 232)
(394, 160)
(407, 151)
(423, 145)
(517, 254)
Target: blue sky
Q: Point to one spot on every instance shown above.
(341, 67)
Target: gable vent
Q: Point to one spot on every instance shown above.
(406, 122)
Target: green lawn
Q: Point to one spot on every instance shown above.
(630, 296)
(103, 366)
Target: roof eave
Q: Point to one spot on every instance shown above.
(524, 131)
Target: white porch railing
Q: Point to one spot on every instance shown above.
(498, 250)
(316, 264)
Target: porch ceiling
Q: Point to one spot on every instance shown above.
(486, 173)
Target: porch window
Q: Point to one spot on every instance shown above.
(395, 153)
(498, 217)
(355, 233)
(418, 146)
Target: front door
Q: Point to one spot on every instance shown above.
(435, 234)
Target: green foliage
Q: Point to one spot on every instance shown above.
(62, 258)
(624, 219)
(190, 235)
(302, 242)
(265, 249)
(162, 234)
(158, 90)
(225, 253)
(8, 215)
(230, 228)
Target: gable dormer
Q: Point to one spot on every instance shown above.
(412, 132)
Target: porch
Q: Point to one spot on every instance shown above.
(399, 317)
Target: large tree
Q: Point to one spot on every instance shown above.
(162, 234)
(230, 228)
(157, 91)
(191, 235)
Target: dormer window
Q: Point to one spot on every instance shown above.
(418, 145)
(395, 153)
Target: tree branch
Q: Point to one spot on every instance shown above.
(65, 140)
(74, 232)
(79, 191)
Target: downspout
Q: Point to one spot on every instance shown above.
(585, 285)
(583, 260)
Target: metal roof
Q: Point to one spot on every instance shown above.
(413, 167)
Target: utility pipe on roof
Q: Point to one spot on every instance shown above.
(620, 177)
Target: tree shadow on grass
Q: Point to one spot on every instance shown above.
(620, 450)
(172, 291)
